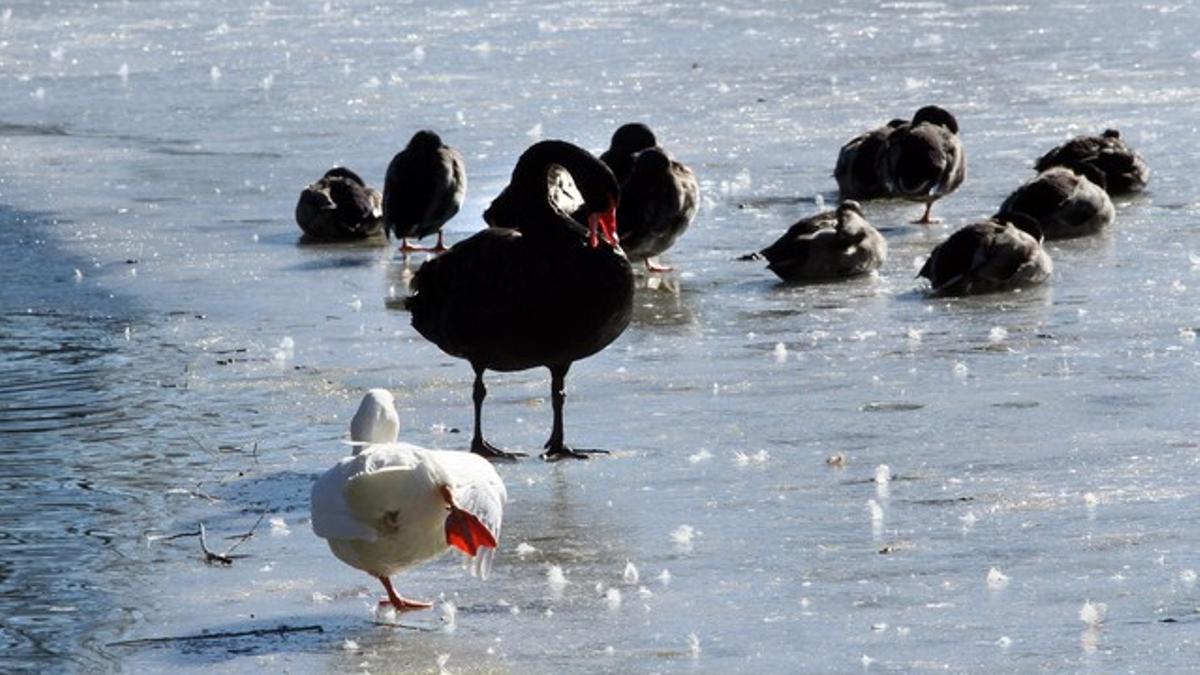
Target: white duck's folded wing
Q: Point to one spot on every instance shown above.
(350, 498)
(331, 516)
(477, 489)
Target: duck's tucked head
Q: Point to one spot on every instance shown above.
(936, 115)
(1112, 133)
(849, 206)
(345, 174)
(1023, 222)
(376, 420)
(652, 160)
(317, 197)
(425, 140)
(633, 137)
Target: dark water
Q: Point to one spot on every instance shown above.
(201, 366)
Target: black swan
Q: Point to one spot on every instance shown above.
(544, 293)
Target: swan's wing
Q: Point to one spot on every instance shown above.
(477, 488)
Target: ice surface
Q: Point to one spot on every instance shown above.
(173, 138)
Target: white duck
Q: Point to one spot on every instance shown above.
(392, 505)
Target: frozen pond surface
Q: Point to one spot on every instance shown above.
(172, 356)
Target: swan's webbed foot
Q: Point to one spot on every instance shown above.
(488, 451)
(555, 452)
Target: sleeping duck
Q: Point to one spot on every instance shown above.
(1064, 203)
(340, 207)
(1124, 169)
(830, 245)
(924, 160)
(989, 256)
(857, 169)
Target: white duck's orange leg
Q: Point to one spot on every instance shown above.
(401, 604)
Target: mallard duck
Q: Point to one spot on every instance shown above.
(425, 186)
(857, 169)
(339, 206)
(830, 245)
(924, 160)
(1064, 203)
(659, 199)
(1123, 168)
(627, 141)
(994, 255)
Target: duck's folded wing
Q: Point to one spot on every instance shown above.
(331, 514)
(351, 497)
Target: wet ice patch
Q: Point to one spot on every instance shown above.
(523, 549)
(876, 512)
(349, 645)
(701, 455)
(664, 577)
(285, 351)
(883, 479)
(612, 599)
(1092, 613)
(630, 574)
(279, 527)
(997, 334)
(746, 459)
(683, 536)
(883, 474)
(693, 642)
(780, 352)
(449, 616)
(555, 576)
(960, 370)
(997, 580)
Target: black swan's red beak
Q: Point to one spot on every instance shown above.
(604, 225)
